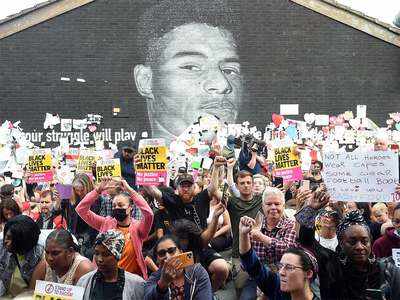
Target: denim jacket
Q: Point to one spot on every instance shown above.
(8, 263)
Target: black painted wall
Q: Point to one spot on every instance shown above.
(289, 53)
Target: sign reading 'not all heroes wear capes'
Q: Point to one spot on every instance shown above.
(361, 176)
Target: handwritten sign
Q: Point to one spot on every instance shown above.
(85, 161)
(151, 167)
(108, 168)
(396, 256)
(45, 290)
(361, 176)
(39, 166)
(287, 164)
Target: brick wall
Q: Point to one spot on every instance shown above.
(290, 55)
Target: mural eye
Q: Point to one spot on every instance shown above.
(231, 71)
(191, 68)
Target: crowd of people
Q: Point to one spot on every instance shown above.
(233, 224)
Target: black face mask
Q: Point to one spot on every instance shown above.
(119, 214)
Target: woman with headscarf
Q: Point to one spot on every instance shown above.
(350, 272)
(20, 255)
(109, 282)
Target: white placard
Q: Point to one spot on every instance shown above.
(361, 111)
(396, 256)
(289, 109)
(58, 291)
(361, 176)
(322, 120)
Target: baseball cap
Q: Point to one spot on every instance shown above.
(185, 178)
(124, 145)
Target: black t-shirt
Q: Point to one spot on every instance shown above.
(107, 291)
(199, 206)
(162, 220)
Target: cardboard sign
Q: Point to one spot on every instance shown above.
(45, 290)
(361, 176)
(396, 256)
(85, 161)
(151, 169)
(287, 164)
(108, 168)
(40, 166)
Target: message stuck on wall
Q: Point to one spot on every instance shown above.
(39, 166)
(108, 168)
(287, 164)
(151, 167)
(361, 176)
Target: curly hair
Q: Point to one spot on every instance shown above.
(10, 204)
(24, 234)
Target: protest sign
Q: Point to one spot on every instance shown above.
(71, 156)
(108, 168)
(39, 166)
(45, 290)
(396, 256)
(151, 167)
(361, 176)
(287, 164)
(86, 159)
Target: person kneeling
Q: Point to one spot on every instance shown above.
(297, 274)
(63, 262)
(109, 282)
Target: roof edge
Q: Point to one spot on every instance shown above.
(353, 18)
(37, 14)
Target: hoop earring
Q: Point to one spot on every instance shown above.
(372, 258)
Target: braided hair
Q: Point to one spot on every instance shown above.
(354, 217)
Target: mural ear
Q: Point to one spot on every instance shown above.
(143, 80)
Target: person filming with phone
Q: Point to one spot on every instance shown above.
(178, 276)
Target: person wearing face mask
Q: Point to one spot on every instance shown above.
(134, 231)
(391, 239)
(352, 271)
(297, 269)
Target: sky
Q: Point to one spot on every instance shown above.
(384, 10)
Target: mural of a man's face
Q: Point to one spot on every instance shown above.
(197, 74)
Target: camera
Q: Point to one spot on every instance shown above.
(254, 145)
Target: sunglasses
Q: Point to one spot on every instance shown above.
(163, 252)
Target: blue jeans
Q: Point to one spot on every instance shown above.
(249, 291)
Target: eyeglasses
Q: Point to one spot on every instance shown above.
(163, 252)
(287, 267)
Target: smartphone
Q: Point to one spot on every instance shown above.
(305, 184)
(374, 294)
(278, 181)
(186, 259)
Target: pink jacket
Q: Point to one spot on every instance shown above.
(139, 229)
